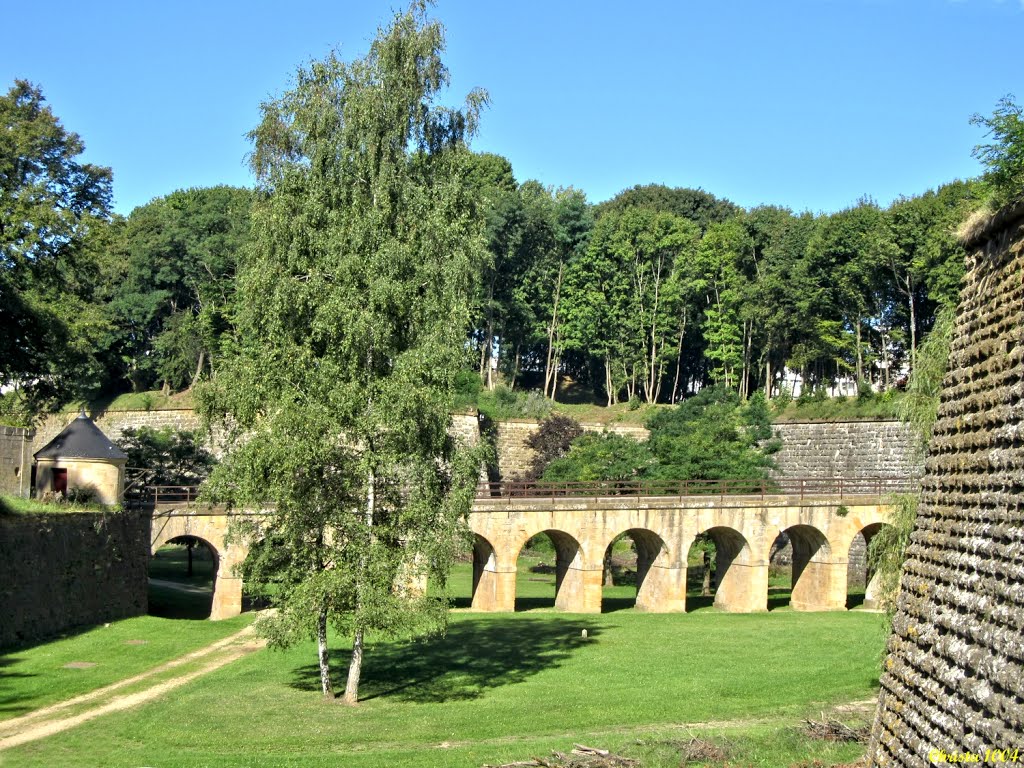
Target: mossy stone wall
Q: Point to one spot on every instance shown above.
(953, 680)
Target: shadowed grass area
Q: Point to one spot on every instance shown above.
(506, 687)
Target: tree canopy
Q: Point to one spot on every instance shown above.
(353, 304)
(53, 209)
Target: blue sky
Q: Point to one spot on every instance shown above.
(810, 104)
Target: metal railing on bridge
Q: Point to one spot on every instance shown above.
(808, 487)
(802, 488)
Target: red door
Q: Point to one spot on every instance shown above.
(60, 481)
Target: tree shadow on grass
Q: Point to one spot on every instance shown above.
(9, 703)
(472, 658)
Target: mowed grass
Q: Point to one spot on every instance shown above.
(504, 687)
(34, 677)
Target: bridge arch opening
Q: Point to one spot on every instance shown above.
(627, 577)
(182, 576)
(806, 581)
(863, 583)
(715, 573)
(550, 558)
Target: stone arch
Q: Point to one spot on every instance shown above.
(211, 529)
(815, 578)
(196, 591)
(577, 587)
(859, 570)
(737, 589)
(660, 579)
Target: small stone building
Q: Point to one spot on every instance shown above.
(81, 458)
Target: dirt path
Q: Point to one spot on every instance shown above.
(67, 714)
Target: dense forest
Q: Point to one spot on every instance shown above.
(647, 297)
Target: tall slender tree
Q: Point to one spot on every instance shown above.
(354, 305)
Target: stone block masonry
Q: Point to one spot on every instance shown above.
(848, 449)
(66, 570)
(952, 687)
(15, 460)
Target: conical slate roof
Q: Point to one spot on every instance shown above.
(81, 439)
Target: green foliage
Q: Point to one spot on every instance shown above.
(1004, 157)
(551, 441)
(921, 403)
(505, 403)
(601, 457)
(887, 550)
(696, 205)
(53, 221)
(353, 300)
(712, 436)
(169, 457)
(174, 297)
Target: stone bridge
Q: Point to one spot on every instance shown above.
(821, 519)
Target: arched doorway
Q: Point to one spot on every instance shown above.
(811, 571)
(182, 575)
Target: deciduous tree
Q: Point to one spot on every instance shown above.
(354, 304)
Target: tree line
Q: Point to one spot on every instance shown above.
(649, 296)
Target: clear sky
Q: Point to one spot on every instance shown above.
(810, 104)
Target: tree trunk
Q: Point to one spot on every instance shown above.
(609, 580)
(550, 375)
(199, 367)
(913, 326)
(515, 369)
(705, 589)
(679, 359)
(324, 657)
(608, 379)
(356, 664)
(189, 545)
(860, 357)
(355, 668)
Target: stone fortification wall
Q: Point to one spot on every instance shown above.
(819, 449)
(65, 570)
(113, 423)
(15, 460)
(832, 449)
(953, 680)
(848, 449)
(514, 455)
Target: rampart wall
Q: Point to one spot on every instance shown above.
(952, 687)
(64, 570)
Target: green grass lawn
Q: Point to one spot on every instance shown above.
(35, 677)
(503, 687)
(497, 688)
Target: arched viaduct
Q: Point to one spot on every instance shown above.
(820, 525)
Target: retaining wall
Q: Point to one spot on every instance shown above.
(953, 680)
(64, 570)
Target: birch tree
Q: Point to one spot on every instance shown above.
(354, 303)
